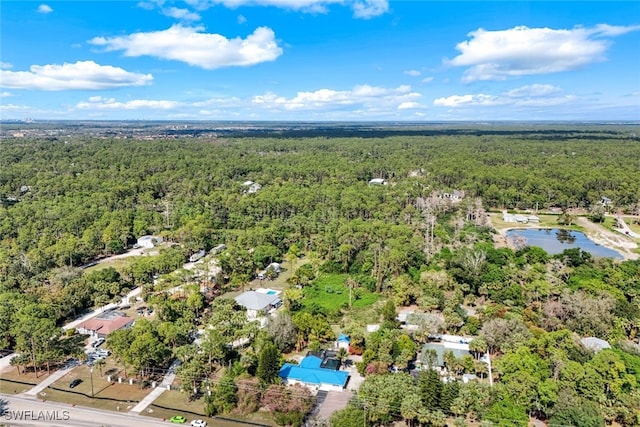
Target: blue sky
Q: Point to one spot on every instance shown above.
(320, 60)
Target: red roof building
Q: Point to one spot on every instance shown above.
(105, 323)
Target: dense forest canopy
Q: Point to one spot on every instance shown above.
(68, 201)
(89, 196)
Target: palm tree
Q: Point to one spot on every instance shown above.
(342, 355)
(100, 363)
(17, 361)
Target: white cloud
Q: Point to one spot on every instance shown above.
(537, 95)
(241, 19)
(5, 65)
(367, 9)
(363, 9)
(409, 105)
(44, 8)
(81, 75)
(323, 99)
(100, 103)
(13, 107)
(5, 94)
(148, 5)
(427, 80)
(181, 14)
(534, 91)
(498, 55)
(412, 73)
(191, 45)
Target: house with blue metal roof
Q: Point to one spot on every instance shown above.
(310, 372)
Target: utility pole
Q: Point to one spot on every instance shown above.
(489, 363)
(91, 372)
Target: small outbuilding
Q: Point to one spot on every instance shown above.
(595, 344)
(149, 241)
(378, 181)
(343, 341)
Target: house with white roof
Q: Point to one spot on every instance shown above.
(259, 304)
(252, 187)
(148, 241)
(378, 181)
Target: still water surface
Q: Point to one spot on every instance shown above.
(555, 240)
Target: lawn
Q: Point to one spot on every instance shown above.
(108, 395)
(17, 384)
(119, 264)
(279, 283)
(173, 402)
(546, 221)
(11, 382)
(330, 292)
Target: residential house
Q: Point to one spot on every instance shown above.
(274, 266)
(252, 187)
(105, 323)
(521, 219)
(195, 257)
(594, 344)
(148, 241)
(318, 370)
(459, 350)
(259, 303)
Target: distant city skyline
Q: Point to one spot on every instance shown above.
(320, 60)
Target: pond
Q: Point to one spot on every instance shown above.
(555, 240)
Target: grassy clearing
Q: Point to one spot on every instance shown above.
(101, 387)
(26, 377)
(173, 402)
(9, 387)
(331, 293)
(111, 396)
(546, 221)
(119, 264)
(279, 283)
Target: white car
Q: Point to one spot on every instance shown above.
(97, 343)
(198, 423)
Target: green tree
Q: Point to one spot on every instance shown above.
(269, 362)
(430, 388)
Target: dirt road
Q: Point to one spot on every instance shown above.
(608, 238)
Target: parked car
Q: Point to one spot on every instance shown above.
(74, 383)
(198, 423)
(97, 343)
(178, 419)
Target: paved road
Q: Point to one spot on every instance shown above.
(51, 414)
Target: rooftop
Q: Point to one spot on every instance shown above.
(253, 300)
(107, 325)
(440, 349)
(310, 372)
